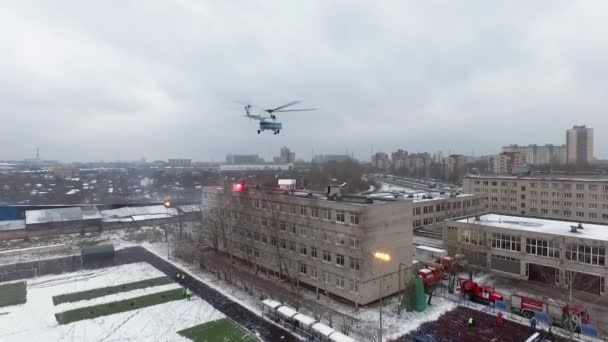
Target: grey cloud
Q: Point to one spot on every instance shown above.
(158, 79)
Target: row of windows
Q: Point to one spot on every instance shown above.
(506, 242)
(586, 254)
(428, 209)
(544, 185)
(542, 248)
(324, 213)
(338, 239)
(545, 211)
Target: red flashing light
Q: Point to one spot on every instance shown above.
(239, 187)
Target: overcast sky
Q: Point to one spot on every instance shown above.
(158, 79)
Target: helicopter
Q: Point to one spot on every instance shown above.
(269, 122)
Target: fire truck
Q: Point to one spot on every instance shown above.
(568, 316)
(478, 292)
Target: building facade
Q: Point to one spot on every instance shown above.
(434, 211)
(579, 199)
(243, 159)
(579, 145)
(539, 154)
(380, 161)
(541, 250)
(180, 162)
(326, 244)
(506, 163)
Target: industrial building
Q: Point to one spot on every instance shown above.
(560, 253)
(347, 246)
(580, 198)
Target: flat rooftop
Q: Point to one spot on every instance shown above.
(545, 226)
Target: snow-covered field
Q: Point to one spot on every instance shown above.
(35, 320)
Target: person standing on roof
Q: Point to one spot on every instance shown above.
(470, 322)
(188, 294)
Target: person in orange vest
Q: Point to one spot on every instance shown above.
(499, 321)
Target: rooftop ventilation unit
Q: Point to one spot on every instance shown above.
(574, 229)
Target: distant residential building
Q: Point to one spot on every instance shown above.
(580, 198)
(506, 162)
(380, 161)
(539, 154)
(324, 158)
(286, 156)
(454, 167)
(66, 173)
(239, 159)
(180, 162)
(579, 145)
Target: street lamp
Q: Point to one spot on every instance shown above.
(385, 257)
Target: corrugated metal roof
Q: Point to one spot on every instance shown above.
(53, 215)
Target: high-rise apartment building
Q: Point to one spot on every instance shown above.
(539, 154)
(579, 145)
(506, 163)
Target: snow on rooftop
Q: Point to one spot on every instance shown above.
(72, 192)
(273, 304)
(53, 215)
(555, 227)
(306, 320)
(431, 249)
(12, 224)
(323, 329)
(340, 337)
(287, 311)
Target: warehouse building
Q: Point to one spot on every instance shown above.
(559, 253)
(346, 246)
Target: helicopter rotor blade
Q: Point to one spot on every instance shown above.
(283, 106)
(295, 110)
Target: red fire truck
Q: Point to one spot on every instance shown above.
(559, 313)
(478, 292)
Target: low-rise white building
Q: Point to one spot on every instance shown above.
(550, 251)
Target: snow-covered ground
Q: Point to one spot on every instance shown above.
(35, 320)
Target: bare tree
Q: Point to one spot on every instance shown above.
(345, 324)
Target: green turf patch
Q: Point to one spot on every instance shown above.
(119, 306)
(220, 330)
(104, 291)
(12, 294)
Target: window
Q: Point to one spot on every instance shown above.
(354, 242)
(567, 213)
(292, 209)
(256, 236)
(580, 205)
(264, 238)
(354, 218)
(327, 214)
(273, 242)
(303, 211)
(544, 194)
(567, 204)
(292, 228)
(544, 210)
(326, 277)
(257, 203)
(555, 203)
(292, 246)
(542, 248)
(474, 237)
(256, 253)
(326, 236)
(282, 207)
(340, 217)
(264, 205)
(283, 244)
(339, 282)
(593, 215)
(416, 211)
(506, 242)
(580, 196)
(264, 222)
(354, 264)
(282, 226)
(585, 254)
(313, 252)
(303, 231)
(352, 285)
(592, 187)
(326, 256)
(340, 260)
(580, 214)
(303, 268)
(303, 250)
(315, 212)
(417, 223)
(340, 239)
(580, 186)
(568, 195)
(313, 273)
